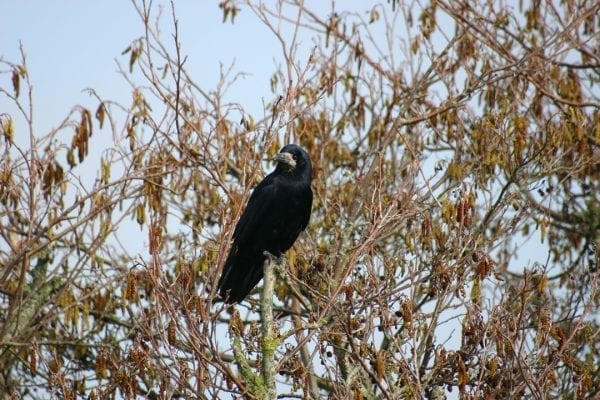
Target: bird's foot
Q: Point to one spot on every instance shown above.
(280, 262)
(282, 272)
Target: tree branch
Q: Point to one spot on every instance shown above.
(269, 339)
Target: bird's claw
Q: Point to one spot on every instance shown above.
(270, 256)
(278, 262)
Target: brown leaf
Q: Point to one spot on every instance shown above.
(16, 81)
(100, 113)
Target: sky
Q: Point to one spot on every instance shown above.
(73, 45)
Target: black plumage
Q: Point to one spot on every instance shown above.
(278, 210)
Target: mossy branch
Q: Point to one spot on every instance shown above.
(255, 382)
(270, 340)
(36, 294)
(262, 386)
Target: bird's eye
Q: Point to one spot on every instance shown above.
(294, 156)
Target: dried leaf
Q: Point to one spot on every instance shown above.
(374, 16)
(131, 286)
(140, 214)
(8, 130)
(100, 113)
(104, 170)
(16, 81)
(135, 54)
(171, 332)
(380, 364)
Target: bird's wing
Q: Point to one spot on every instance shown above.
(243, 267)
(256, 211)
(307, 210)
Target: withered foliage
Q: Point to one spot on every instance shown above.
(453, 248)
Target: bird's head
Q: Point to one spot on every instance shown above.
(294, 160)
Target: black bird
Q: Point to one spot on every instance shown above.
(278, 210)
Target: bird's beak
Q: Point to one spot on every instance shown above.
(286, 158)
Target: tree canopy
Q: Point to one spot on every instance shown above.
(454, 243)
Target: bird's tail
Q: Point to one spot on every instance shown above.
(240, 274)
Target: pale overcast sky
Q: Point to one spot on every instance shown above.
(72, 45)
